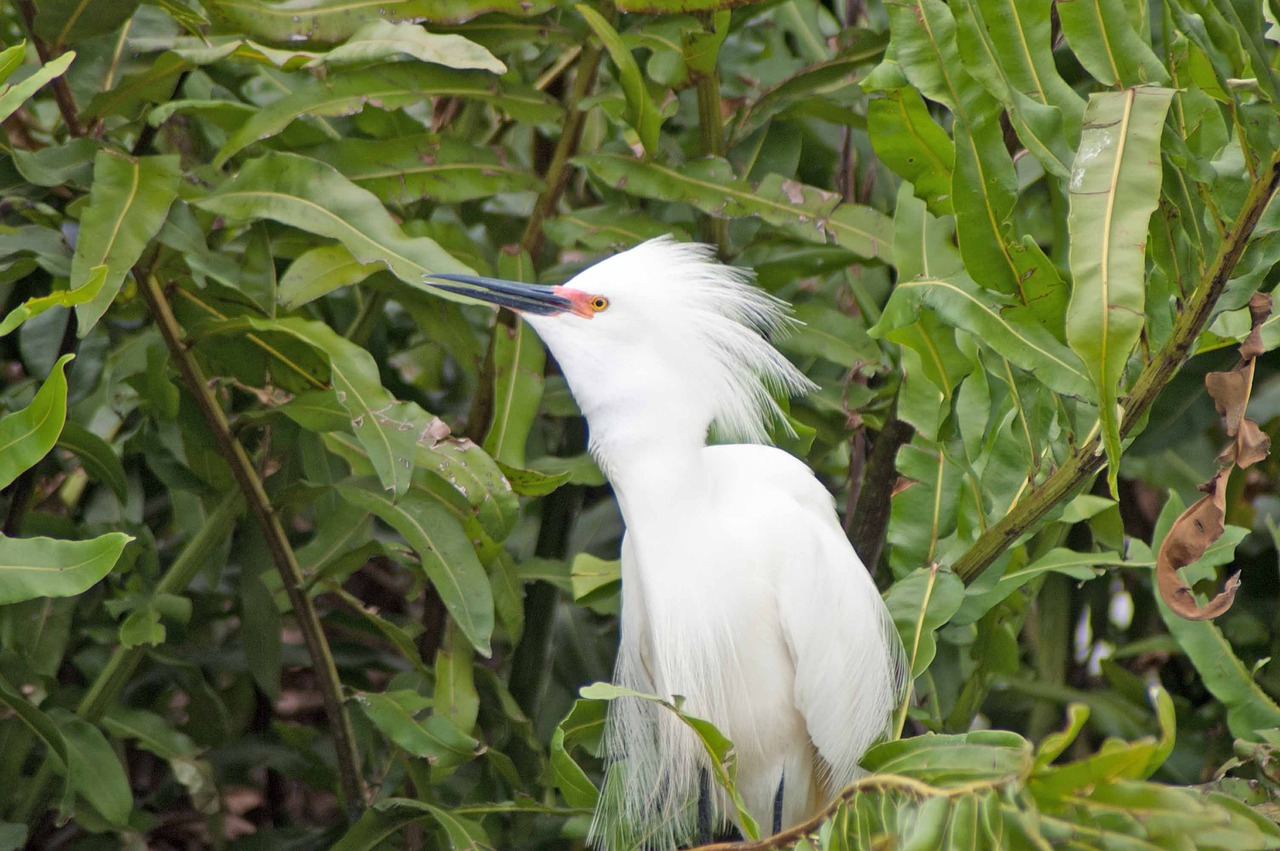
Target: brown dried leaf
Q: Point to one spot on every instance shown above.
(1230, 392)
(1252, 444)
(1259, 310)
(1191, 534)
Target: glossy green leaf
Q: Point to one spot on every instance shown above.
(913, 145)
(1104, 40)
(319, 272)
(128, 205)
(313, 197)
(1008, 329)
(93, 769)
(405, 169)
(389, 87)
(919, 604)
(13, 95)
(464, 834)
(27, 435)
(584, 725)
(518, 360)
(447, 557)
(642, 112)
(36, 305)
(434, 738)
(1115, 184)
(710, 185)
(337, 20)
(983, 755)
(388, 430)
(381, 39)
(44, 567)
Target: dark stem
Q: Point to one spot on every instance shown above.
(282, 555)
(871, 517)
(61, 91)
(557, 176)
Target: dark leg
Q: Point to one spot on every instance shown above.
(704, 808)
(777, 805)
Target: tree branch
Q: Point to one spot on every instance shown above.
(557, 176)
(61, 91)
(1088, 459)
(273, 532)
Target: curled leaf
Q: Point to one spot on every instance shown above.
(1259, 310)
(1230, 392)
(1191, 534)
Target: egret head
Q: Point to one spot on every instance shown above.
(662, 331)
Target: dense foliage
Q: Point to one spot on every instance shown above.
(299, 553)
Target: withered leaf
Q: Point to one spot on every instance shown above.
(1252, 444)
(1188, 538)
(1259, 310)
(1230, 393)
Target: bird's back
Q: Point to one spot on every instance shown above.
(744, 597)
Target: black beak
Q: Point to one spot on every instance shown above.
(530, 298)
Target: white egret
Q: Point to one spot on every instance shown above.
(740, 591)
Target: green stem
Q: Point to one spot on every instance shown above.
(711, 130)
(282, 555)
(1089, 458)
(110, 682)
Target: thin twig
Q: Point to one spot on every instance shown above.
(557, 176)
(242, 468)
(1089, 458)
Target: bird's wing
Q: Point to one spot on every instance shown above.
(850, 669)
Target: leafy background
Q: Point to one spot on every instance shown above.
(297, 553)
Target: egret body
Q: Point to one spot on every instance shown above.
(740, 591)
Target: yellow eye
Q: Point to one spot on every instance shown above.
(599, 303)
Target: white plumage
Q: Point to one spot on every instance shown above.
(740, 590)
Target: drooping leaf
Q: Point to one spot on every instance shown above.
(27, 435)
(710, 185)
(642, 112)
(332, 21)
(434, 738)
(13, 96)
(1115, 184)
(446, 555)
(382, 39)
(314, 197)
(389, 87)
(128, 204)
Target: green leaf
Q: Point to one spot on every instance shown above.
(36, 305)
(93, 769)
(318, 272)
(983, 755)
(518, 360)
(314, 197)
(128, 204)
(332, 21)
(389, 87)
(908, 140)
(1105, 42)
(1115, 184)
(435, 738)
(446, 555)
(584, 725)
(463, 833)
(380, 40)
(919, 604)
(389, 430)
(26, 436)
(710, 185)
(429, 166)
(13, 96)
(642, 112)
(44, 567)
(1008, 329)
